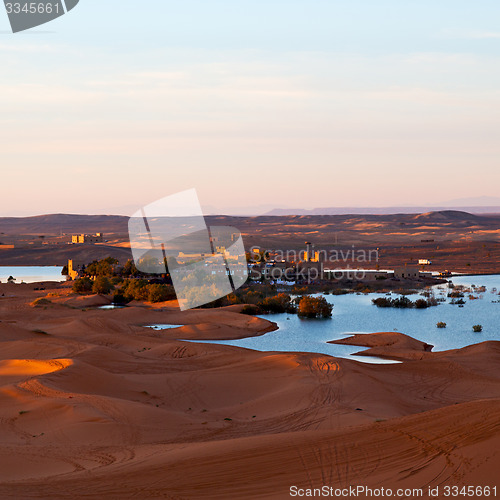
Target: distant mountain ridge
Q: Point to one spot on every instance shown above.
(65, 223)
(447, 231)
(382, 210)
(55, 224)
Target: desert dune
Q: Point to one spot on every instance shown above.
(95, 405)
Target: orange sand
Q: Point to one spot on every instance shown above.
(93, 405)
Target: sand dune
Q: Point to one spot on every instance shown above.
(95, 405)
(437, 448)
(390, 345)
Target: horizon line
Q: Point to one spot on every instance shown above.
(344, 210)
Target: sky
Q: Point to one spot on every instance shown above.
(256, 104)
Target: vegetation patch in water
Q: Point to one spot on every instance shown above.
(405, 302)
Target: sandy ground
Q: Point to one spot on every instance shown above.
(93, 405)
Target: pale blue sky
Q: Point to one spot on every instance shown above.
(253, 103)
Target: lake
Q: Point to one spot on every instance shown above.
(31, 274)
(164, 327)
(356, 314)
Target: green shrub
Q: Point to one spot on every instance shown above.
(278, 304)
(402, 303)
(382, 302)
(441, 324)
(251, 309)
(160, 293)
(232, 299)
(421, 304)
(102, 285)
(314, 307)
(135, 290)
(102, 267)
(82, 285)
(252, 297)
(129, 269)
(140, 289)
(405, 302)
(119, 298)
(477, 328)
(41, 302)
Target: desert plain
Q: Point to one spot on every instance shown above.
(453, 240)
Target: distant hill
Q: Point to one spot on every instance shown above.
(450, 216)
(494, 209)
(66, 223)
(118, 225)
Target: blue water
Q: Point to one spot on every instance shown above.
(164, 327)
(356, 314)
(31, 274)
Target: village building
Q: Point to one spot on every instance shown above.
(87, 238)
(310, 254)
(74, 270)
(407, 273)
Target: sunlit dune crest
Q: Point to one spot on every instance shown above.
(10, 367)
(277, 360)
